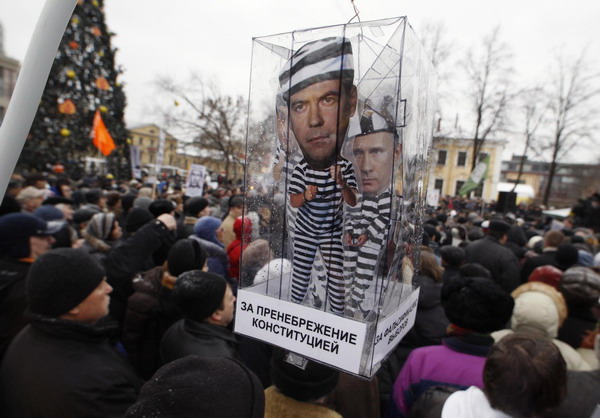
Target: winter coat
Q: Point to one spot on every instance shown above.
(134, 255)
(470, 403)
(277, 405)
(499, 260)
(431, 322)
(12, 300)
(455, 363)
(187, 337)
(58, 368)
(150, 312)
(216, 260)
(583, 395)
(547, 258)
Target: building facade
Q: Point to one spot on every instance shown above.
(571, 181)
(451, 165)
(9, 69)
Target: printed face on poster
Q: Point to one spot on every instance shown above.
(195, 180)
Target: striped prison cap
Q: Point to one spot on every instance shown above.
(321, 60)
(370, 122)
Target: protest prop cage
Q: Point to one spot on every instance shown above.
(337, 154)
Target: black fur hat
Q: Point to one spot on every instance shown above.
(477, 304)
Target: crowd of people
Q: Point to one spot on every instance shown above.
(116, 300)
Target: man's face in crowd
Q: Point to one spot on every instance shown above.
(39, 245)
(319, 116)
(375, 157)
(228, 304)
(95, 306)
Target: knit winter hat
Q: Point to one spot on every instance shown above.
(499, 226)
(477, 304)
(195, 386)
(247, 228)
(160, 206)
(61, 279)
(194, 205)
(453, 256)
(566, 256)
(206, 228)
(136, 218)
(304, 385)
(546, 274)
(101, 225)
(199, 294)
(580, 286)
(185, 255)
(83, 215)
(29, 193)
(321, 60)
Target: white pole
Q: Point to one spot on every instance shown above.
(30, 84)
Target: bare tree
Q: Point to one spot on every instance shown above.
(439, 46)
(488, 72)
(533, 107)
(573, 89)
(213, 121)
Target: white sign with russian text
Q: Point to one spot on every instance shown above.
(322, 336)
(393, 328)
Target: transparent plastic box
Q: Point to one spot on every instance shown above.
(337, 154)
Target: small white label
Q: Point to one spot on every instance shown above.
(393, 328)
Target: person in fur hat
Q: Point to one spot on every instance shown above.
(540, 310)
(476, 307)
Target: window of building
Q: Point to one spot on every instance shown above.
(441, 160)
(462, 159)
(482, 156)
(459, 185)
(439, 184)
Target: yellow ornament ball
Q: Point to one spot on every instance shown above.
(129, 141)
(64, 132)
(100, 53)
(95, 3)
(103, 109)
(75, 20)
(71, 74)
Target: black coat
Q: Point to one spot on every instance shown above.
(187, 337)
(12, 300)
(134, 255)
(58, 368)
(150, 312)
(499, 260)
(547, 258)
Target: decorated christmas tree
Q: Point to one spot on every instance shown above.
(83, 80)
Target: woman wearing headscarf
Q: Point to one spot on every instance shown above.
(101, 235)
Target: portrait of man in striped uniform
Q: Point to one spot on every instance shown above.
(376, 150)
(317, 85)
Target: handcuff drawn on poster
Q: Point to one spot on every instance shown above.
(352, 127)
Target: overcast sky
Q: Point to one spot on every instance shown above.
(178, 37)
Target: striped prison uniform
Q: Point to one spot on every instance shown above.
(319, 226)
(362, 262)
(318, 274)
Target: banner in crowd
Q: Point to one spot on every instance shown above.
(477, 176)
(134, 158)
(195, 180)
